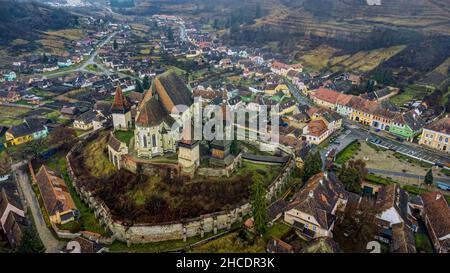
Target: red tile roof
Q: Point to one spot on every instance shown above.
(442, 126)
(438, 212)
(317, 127)
(54, 191)
(329, 95)
(120, 104)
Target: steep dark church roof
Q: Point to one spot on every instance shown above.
(153, 113)
(170, 90)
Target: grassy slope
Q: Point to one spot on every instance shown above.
(232, 243)
(412, 92)
(10, 115)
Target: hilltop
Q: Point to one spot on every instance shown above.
(25, 20)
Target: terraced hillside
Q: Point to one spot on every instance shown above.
(357, 18)
(325, 18)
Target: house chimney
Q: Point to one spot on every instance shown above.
(311, 194)
(438, 196)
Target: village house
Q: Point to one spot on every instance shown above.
(85, 121)
(344, 104)
(282, 69)
(313, 209)
(327, 98)
(381, 94)
(354, 79)
(11, 76)
(407, 125)
(402, 239)
(57, 200)
(275, 245)
(437, 220)
(31, 129)
(69, 111)
(10, 96)
(392, 208)
(287, 106)
(369, 112)
(83, 245)
(331, 119)
(13, 221)
(316, 131)
(436, 135)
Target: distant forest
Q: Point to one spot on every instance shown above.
(122, 3)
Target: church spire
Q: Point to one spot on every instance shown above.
(120, 104)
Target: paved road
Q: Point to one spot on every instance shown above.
(297, 94)
(89, 61)
(359, 131)
(344, 138)
(405, 148)
(407, 175)
(51, 244)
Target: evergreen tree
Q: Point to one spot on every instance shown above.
(234, 147)
(259, 204)
(258, 12)
(312, 166)
(429, 178)
(318, 162)
(139, 87)
(370, 86)
(351, 178)
(383, 75)
(170, 34)
(115, 45)
(215, 24)
(146, 83)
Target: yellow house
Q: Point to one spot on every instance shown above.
(361, 117)
(283, 88)
(325, 98)
(13, 140)
(25, 132)
(436, 135)
(56, 198)
(272, 89)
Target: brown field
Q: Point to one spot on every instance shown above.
(67, 34)
(443, 68)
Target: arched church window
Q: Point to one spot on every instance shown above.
(154, 140)
(144, 139)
